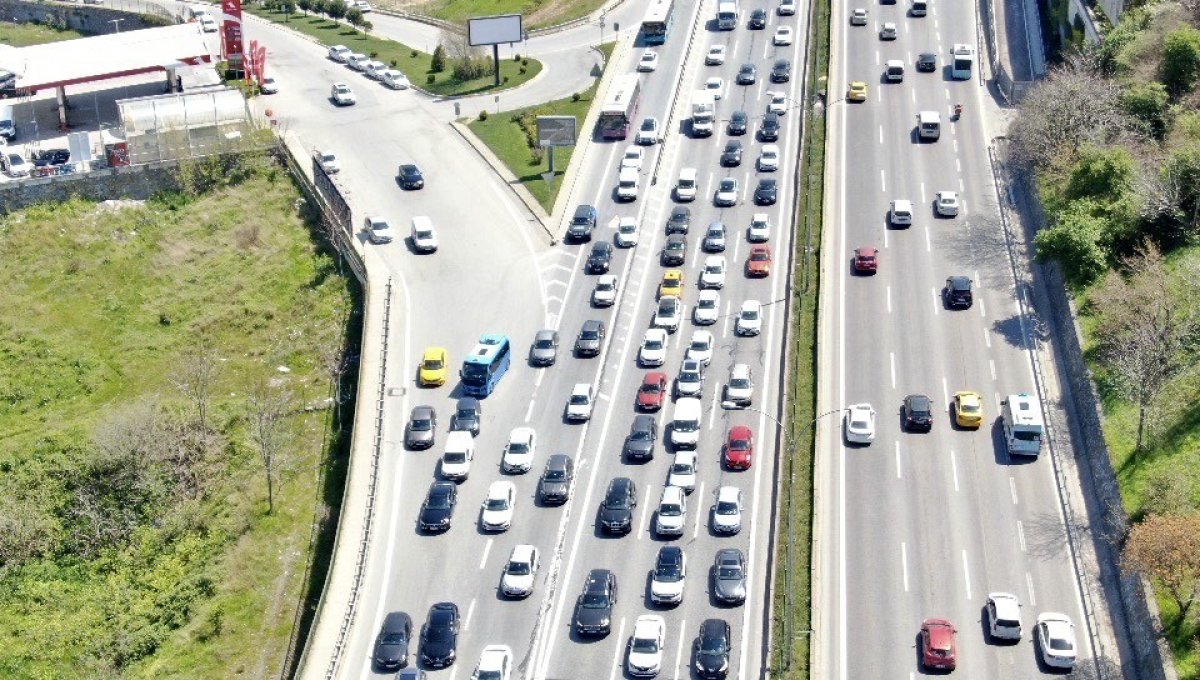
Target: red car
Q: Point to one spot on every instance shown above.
(937, 644)
(653, 391)
(759, 263)
(739, 448)
(866, 260)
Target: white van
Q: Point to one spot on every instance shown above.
(1023, 425)
(456, 459)
(627, 184)
(685, 427)
(8, 124)
(901, 212)
(685, 190)
(929, 125)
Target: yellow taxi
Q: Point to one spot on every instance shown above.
(672, 283)
(433, 366)
(968, 409)
(858, 91)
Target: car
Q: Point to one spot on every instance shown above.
(421, 429)
(715, 85)
(544, 350)
(434, 366)
(738, 123)
(600, 258)
(668, 577)
(689, 382)
(648, 61)
(467, 415)
(732, 155)
(701, 347)
(968, 409)
(938, 648)
(395, 79)
(768, 130)
(758, 263)
(671, 516)
(410, 177)
(727, 511)
(378, 229)
(787, 7)
(1056, 640)
(916, 413)
(644, 658)
(668, 314)
(374, 69)
(927, 62)
(783, 36)
(643, 433)
(627, 185)
(760, 228)
(781, 71)
(680, 220)
(582, 223)
(727, 193)
(738, 452)
(654, 347)
(520, 451)
(711, 649)
(893, 71)
(580, 403)
(498, 505)
(209, 24)
(858, 17)
(605, 292)
(51, 158)
(633, 157)
(685, 187)
(866, 260)
(357, 61)
(749, 319)
(339, 53)
(672, 283)
(554, 487)
(768, 158)
(391, 644)
(683, 471)
(674, 252)
(729, 576)
(648, 134)
(627, 232)
(653, 390)
(946, 203)
(594, 606)
(714, 238)
(1004, 616)
(747, 74)
(342, 95)
(900, 213)
(424, 237)
(859, 424)
(758, 18)
(740, 388)
(520, 571)
(439, 635)
(779, 103)
(326, 159)
(495, 663)
(887, 31)
(437, 510)
(707, 309)
(957, 292)
(715, 56)
(713, 274)
(616, 510)
(767, 191)
(857, 91)
(590, 339)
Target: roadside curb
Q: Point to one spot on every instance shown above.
(506, 175)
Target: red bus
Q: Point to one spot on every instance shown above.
(616, 116)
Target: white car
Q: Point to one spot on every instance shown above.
(946, 203)
(713, 275)
(520, 571)
(627, 232)
(887, 31)
(645, 646)
(605, 293)
(669, 575)
(579, 406)
(783, 35)
(269, 85)
(627, 184)
(328, 160)
(653, 351)
(858, 17)
(1056, 639)
(749, 320)
(760, 228)
(375, 69)
(727, 193)
(1004, 616)
(340, 53)
(498, 506)
(633, 157)
(715, 85)
(208, 24)
(860, 424)
(707, 309)
(647, 134)
(683, 471)
(727, 511)
(690, 380)
(685, 188)
(15, 164)
(787, 7)
(768, 158)
(740, 388)
(395, 79)
(701, 347)
(495, 663)
(668, 314)
(778, 104)
(342, 95)
(901, 212)
(379, 230)
(672, 512)
(715, 56)
(357, 61)
(424, 236)
(520, 450)
(648, 61)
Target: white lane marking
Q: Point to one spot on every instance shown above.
(928, 242)
(616, 662)
(889, 298)
(1012, 489)
(1021, 535)
(953, 142)
(987, 338)
(913, 92)
(679, 648)
(935, 301)
(885, 238)
(966, 573)
(603, 397)
(1029, 586)
(922, 192)
(892, 361)
(982, 308)
(486, 549)
(882, 181)
(881, 134)
(992, 366)
(737, 243)
(904, 563)
(728, 318)
(712, 408)
(954, 468)
(645, 509)
(470, 613)
(962, 188)
(529, 411)
(898, 460)
(454, 673)
(696, 528)
(946, 394)
(537, 382)
(957, 164)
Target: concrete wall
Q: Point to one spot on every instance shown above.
(87, 19)
(131, 182)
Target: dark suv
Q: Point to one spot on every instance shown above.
(582, 224)
(675, 251)
(738, 123)
(680, 220)
(600, 258)
(712, 649)
(770, 128)
(591, 337)
(593, 609)
(927, 62)
(781, 72)
(918, 413)
(958, 292)
(410, 177)
(732, 156)
(616, 510)
(639, 445)
(555, 485)
(758, 18)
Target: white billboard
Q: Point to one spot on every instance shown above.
(497, 30)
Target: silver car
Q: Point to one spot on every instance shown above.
(544, 351)
(421, 428)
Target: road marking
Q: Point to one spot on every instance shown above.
(737, 242)
(1012, 488)
(889, 298)
(913, 92)
(898, 460)
(712, 408)
(892, 361)
(454, 673)
(953, 142)
(616, 662)
(928, 242)
(679, 647)
(486, 549)
(882, 181)
(696, 529)
(958, 165)
(470, 613)
(987, 338)
(529, 411)
(603, 397)
(954, 468)
(923, 192)
(982, 308)
(645, 509)
(962, 188)
(966, 573)
(1029, 585)
(946, 394)
(1021, 535)
(885, 238)
(728, 318)
(881, 134)
(935, 301)
(904, 563)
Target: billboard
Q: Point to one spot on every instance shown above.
(231, 32)
(497, 30)
(556, 130)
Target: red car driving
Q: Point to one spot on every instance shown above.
(937, 644)
(739, 448)
(759, 262)
(653, 391)
(866, 260)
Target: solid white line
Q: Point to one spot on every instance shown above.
(1012, 488)
(945, 394)
(966, 573)
(645, 509)
(1029, 585)
(620, 640)
(454, 673)
(992, 366)
(529, 411)
(892, 361)
(699, 513)
(954, 468)
(897, 460)
(881, 134)
(885, 238)
(904, 563)
(679, 648)
(936, 301)
(470, 613)
(486, 549)
(1021, 535)
(889, 299)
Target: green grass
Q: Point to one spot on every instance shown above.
(537, 13)
(507, 140)
(111, 302)
(22, 35)
(413, 63)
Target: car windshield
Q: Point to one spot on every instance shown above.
(627, 228)
(645, 645)
(1027, 436)
(712, 645)
(682, 469)
(518, 447)
(497, 504)
(421, 424)
(651, 388)
(969, 407)
(714, 268)
(433, 363)
(518, 568)
(595, 600)
(668, 573)
(739, 444)
(648, 125)
(603, 285)
(759, 256)
(708, 303)
(489, 675)
(675, 245)
(727, 508)
(1061, 644)
(440, 501)
(654, 344)
(859, 423)
(670, 510)
(666, 307)
(555, 474)
(393, 638)
(589, 335)
(750, 314)
(617, 502)
(544, 343)
(454, 457)
(739, 382)
(729, 572)
(641, 435)
(465, 414)
(699, 345)
(727, 185)
(579, 399)
(474, 372)
(424, 234)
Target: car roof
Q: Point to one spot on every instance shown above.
(729, 555)
(740, 432)
(671, 554)
(676, 239)
(682, 210)
(941, 633)
(684, 456)
(644, 421)
(558, 461)
(584, 209)
(654, 376)
(750, 305)
(657, 333)
(592, 324)
(545, 333)
(468, 402)
(522, 553)
(918, 401)
(648, 624)
(959, 282)
(728, 493)
(423, 411)
(740, 370)
(621, 485)
(1007, 606)
(581, 388)
(691, 365)
(766, 182)
(867, 251)
(396, 621)
(714, 628)
(520, 434)
(500, 487)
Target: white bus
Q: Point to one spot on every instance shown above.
(616, 115)
(657, 23)
(962, 61)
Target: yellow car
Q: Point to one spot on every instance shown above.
(672, 283)
(433, 366)
(858, 91)
(968, 409)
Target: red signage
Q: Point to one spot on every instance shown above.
(231, 32)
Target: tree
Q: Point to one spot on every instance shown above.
(1104, 174)
(1180, 67)
(1147, 103)
(195, 377)
(437, 63)
(466, 62)
(268, 408)
(305, 6)
(1181, 177)
(355, 16)
(1075, 243)
(335, 9)
(1166, 548)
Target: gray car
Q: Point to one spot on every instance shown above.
(639, 445)
(591, 336)
(729, 576)
(467, 415)
(545, 348)
(421, 429)
(555, 485)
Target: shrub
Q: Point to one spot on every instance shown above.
(576, 97)
(483, 115)
(1180, 68)
(524, 62)
(374, 54)
(429, 79)
(516, 58)
(437, 64)
(536, 155)
(412, 54)
(522, 72)
(393, 63)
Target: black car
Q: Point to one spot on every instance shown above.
(732, 156)
(758, 18)
(600, 258)
(467, 414)
(675, 251)
(958, 292)
(747, 74)
(729, 576)
(769, 131)
(616, 510)
(421, 429)
(918, 413)
(555, 485)
(582, 223)
(594, 608)
(927, 62)
(52, 157)
(738, 123)
(712, 649)
(639, 445)
(391, 645)
(410, 177)
(767, 192)
(439, 635)
(781, 72)
(679, 221)
(438, 509)
(591, 337)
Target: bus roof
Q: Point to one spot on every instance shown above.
(619, 93)
(658, 11)
(1024, 410)
(489, 346)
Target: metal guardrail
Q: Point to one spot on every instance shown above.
(670, 122)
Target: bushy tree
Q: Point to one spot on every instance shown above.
(335, 9)
(1075, 242)
(1180, 68)
(1147, 102)
(1167, 549)
(437, 63)
(1104, 174)
(305, 6)
(355, 17)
